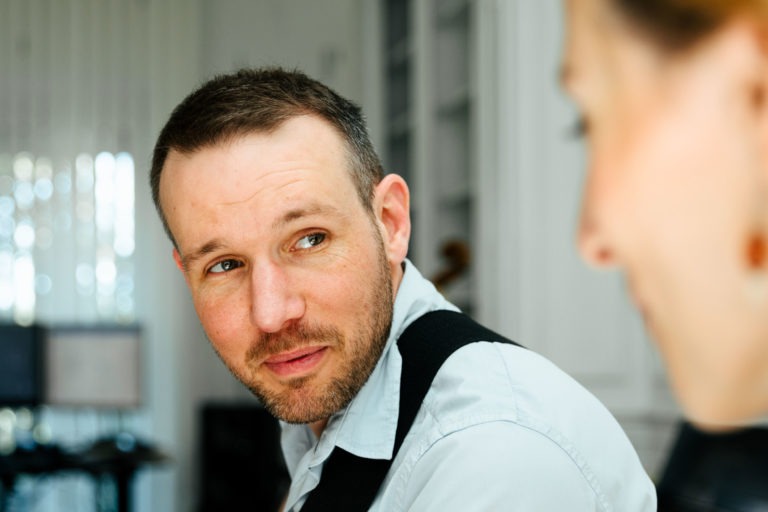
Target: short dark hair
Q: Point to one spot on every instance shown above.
(260, 100)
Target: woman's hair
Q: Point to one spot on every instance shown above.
(259, 101)
(679, 24)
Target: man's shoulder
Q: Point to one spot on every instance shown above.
(513, 406)
(514, 378)
(495, 382)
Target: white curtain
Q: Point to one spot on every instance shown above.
(74, 79)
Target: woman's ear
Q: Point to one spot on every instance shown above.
(391, 206)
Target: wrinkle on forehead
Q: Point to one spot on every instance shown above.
(263, 189)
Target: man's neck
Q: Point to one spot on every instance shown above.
(318, 427)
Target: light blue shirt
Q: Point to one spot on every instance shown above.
(501, 428)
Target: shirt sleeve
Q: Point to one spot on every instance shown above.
(498, 466)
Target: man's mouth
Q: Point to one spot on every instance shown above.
(296, 362)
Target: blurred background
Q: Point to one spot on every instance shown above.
(462, 99)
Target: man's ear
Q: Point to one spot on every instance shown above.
(179, 263)
(177, 259)
(391, 206)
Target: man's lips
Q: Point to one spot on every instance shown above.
(295, 362)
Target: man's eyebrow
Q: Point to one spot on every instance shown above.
(298, 213)
(207, 248)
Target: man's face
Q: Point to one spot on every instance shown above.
(288, 272)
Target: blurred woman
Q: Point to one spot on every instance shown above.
(674, 103)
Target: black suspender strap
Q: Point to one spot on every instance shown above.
(350, 483)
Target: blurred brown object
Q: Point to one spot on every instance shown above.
(457, 257)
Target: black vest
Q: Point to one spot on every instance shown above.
(350, 483)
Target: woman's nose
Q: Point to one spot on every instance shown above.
(593, 242)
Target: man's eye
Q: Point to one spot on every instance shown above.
(225, 266)
(310, 240)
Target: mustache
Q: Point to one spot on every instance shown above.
(291, 338)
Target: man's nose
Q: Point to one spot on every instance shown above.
(276, 300)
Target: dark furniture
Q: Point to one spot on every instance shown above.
(119, 457)
(22, 365)
(241, 463)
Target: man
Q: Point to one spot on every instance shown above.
(293, 244)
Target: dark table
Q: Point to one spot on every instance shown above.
(119, 456)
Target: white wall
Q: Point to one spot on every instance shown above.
(320, 38)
